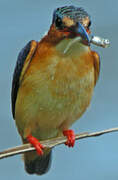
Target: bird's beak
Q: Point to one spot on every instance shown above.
(82, 32)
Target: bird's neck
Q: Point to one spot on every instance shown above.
(64, 45)
(53, 36)
(70, 47)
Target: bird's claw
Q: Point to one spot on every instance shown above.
(70, 137)
(38, 146)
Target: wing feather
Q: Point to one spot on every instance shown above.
(23, 61)
(96, 65)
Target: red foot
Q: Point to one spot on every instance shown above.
(70, 136)
(32, 140)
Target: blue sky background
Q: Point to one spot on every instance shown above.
(95, 158)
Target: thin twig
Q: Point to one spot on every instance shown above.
(50, 143)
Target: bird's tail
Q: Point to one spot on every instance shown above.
(35, 164)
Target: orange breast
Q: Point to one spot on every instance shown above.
(55, 92)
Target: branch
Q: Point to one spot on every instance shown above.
(50, 143)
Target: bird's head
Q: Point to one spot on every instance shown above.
(70, 22)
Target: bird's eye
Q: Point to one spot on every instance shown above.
(58, 23)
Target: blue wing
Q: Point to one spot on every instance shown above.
(17, 72)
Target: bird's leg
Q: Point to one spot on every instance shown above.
(38, 146)
(70, 137)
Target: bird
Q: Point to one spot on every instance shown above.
(53, 84)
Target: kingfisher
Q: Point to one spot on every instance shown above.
(53, 83)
